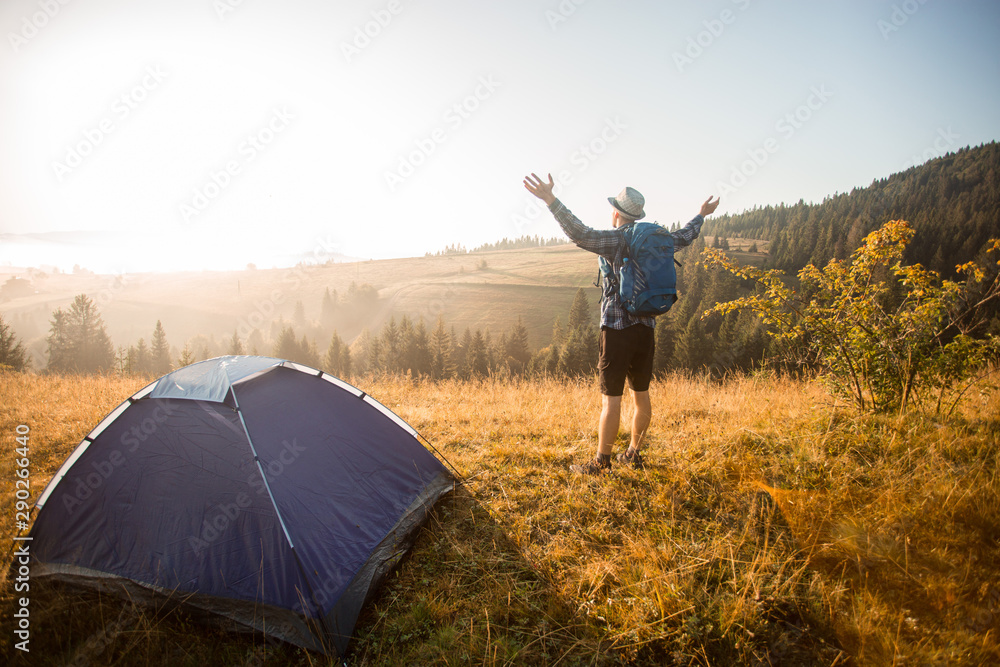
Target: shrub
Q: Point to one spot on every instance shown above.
(884, 334)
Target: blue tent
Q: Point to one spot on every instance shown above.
(253, 488)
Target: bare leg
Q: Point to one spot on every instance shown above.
(611, 411)
(640, 421)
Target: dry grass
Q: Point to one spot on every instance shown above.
(769, 527)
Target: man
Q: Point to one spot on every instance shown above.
(627, 341)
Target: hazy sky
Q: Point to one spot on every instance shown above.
(213, 133)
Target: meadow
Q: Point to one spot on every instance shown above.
(771, 526)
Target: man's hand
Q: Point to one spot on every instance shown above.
(709, 207)
(541, 189)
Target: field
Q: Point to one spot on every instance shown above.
(770, 526)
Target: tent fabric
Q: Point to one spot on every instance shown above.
(210, 380)
(267, 492)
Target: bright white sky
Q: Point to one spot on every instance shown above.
(214, 133)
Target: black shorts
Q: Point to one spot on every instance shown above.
(625, 353)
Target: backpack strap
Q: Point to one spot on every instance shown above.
(605, 274)
(605, 269)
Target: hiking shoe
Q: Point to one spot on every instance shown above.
(632, 458)
(595, 466)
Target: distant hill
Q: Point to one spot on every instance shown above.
(953, 203)
(488, 290)
(519, 243)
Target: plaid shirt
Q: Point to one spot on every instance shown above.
(610, 244)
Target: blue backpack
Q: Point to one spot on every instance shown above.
(647, 282)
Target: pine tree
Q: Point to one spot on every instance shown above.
(726, 351)
(345, 361)
(498, 354)
(577, 356)
(277, 326)
(376, 354)
(286, 347)
(579, 312)
(663, 351)
(60, 347)
(13, 356)
(141, 360)
(441, 367)
(557, 332)
(518, 353)
(362, 361)
(186, 358)
(308, 353)
(421, 350)
(235, 344)
(490, 352)
(578, 352)
(160, 351)
(78, 341)
(545, 361)
(407, 347)
(693, 349)
(121, 360)
(463, 351)
(476, 357)
(334, 355)
(390, 352)
(255, 341)
(338, 357)
(751, 341)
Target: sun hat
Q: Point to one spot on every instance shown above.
(629, 203)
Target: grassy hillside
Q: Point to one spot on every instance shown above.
(770, 527)
(485, 290)
(488, 289)
(953, 203)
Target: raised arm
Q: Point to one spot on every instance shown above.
(687, 234)
(605, 242)
(708, 208)
(540, 189)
